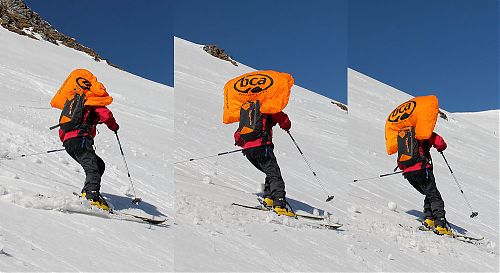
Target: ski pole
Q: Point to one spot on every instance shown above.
(209, 156)
(474, 213)
(375, 177)
(329, 198)
(135, 200)
(25, 155)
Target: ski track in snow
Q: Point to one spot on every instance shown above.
(38, 234)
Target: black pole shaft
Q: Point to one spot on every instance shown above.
(376, 177)
(473, 214)
(126, 166)
(230, 152)
(329, 198)
(40, 153)
(209, 156)
(387, 174)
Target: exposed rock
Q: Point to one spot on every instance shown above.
(442, 115)
(19, 18)
(340, 105)
(219, 53)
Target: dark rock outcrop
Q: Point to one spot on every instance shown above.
(442, 115)
(219, 53)
(340, 105)
(17, 17)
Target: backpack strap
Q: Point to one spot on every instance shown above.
(267, 123)
(424, 159)
(87, 124)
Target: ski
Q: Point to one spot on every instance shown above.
(299, 215)
(120, 215)
(467, 237)
(148, 219)
(455, 234)
(315, 224)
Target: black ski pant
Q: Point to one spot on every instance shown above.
(81, 150)
(263, 158)
(423, 181)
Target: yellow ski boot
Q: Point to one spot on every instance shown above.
(284, 211)
(268, 202)
(96, 200)
(281, 209)
(429, 223)
(440, 230)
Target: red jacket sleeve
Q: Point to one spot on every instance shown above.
(106, 117)
(61, 134)
(237, 139)
(438, 142)
(283, 120)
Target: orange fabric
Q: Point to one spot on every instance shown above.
(81, 80)
(419, 112)
(271, 88)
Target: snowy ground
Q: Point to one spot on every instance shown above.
(341, 148)
(225, 238)
(380, 243)
(210, 234)
(34, 234)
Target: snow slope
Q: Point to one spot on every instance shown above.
(381, 244)
(211, 234)
(35, 235)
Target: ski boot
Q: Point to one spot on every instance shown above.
(281, 209)
(267, 202)
(440, 230)
(96, 200)
(443, 228)
(428, 224)
(284, 211)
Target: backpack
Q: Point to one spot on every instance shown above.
(251, 125)
(72, 115)
(408, 152)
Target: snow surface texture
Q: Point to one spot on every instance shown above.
(36, 232)
(385, 240)
(221, 237)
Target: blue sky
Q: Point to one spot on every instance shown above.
(307, 39)
(136, 35)
(449, 48)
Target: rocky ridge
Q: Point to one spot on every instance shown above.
(219, 53)
(17, 17)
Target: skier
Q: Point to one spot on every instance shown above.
(260, 153)
(79, 145)
(421, 177)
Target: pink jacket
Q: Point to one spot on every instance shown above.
(102, 115)
(278, 118)
(424, 147)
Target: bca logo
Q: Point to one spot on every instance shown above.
(402, 112)
(83, 83)
(253, 83)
